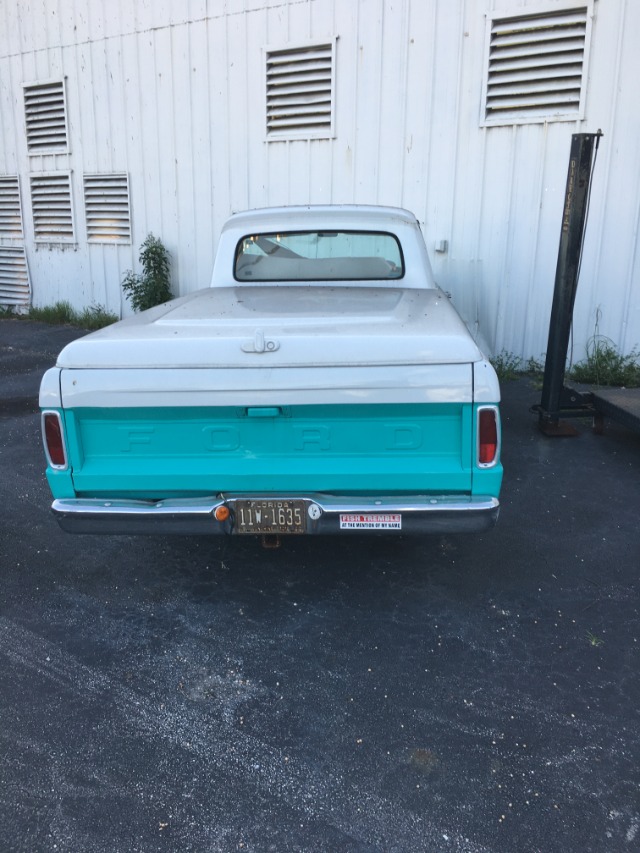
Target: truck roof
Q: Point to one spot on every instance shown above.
(327, 217)
(365, 216)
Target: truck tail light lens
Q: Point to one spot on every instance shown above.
(488, 437)
(54, 440)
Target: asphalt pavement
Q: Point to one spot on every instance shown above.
(471, 693)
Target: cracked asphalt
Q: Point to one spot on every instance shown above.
(474, 693)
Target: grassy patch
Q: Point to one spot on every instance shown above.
(95, 317)
(534, 366)
(507, 365)
(605, 365)
(62, 314)
(56, 315)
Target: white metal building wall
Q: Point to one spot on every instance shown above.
(172, 93)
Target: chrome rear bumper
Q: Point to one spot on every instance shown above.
(196, 516)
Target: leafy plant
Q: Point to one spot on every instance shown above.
(152, 286)
(605, 365)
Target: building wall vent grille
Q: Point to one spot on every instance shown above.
(10, 208)
(51, 205)
(46, 117)
(14, 276)
(106, 203)
(536, 66)
(300, 92)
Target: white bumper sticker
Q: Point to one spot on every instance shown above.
(369, 521)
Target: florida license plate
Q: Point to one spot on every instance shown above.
(270, 516)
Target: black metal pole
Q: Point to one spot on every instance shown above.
(583, 146)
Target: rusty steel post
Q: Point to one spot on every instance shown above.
(556, 399)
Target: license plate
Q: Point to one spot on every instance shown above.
(270, 516)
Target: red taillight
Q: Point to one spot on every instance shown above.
(53, 440)
(487, 436)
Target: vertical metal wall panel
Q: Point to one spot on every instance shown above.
(196, 148)
(276, 157)
(221, 126)
(365, 55)
(418, 107)
(173, 94)
(608, 289)
(456, 166)
(248, 93)
(113, 147)
(392, 40)
(238, 113)
(149, 162)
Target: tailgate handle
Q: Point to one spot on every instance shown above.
(264, 411)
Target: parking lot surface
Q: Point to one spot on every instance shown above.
(354, 694)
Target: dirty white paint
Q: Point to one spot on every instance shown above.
(172, 93)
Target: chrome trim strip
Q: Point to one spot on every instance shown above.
(420, 513)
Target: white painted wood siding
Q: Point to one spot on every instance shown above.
(172, 93)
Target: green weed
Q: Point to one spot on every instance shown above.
(507, 365)
(96, 317)
(62, 314)
(606, 365)
(534, 366)
(56, 315)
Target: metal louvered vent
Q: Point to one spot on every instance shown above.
(536, 65)
(300, 92)
(10, 210)
(106, 204)
(46, 117)
(51, 204)
(14, 276)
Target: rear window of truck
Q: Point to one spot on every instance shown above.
(319, 256)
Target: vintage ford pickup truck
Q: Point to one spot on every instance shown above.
(322, 384)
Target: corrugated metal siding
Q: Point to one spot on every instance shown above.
(173, 94)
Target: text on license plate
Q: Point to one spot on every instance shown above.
(370, 521)
(270, 516)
